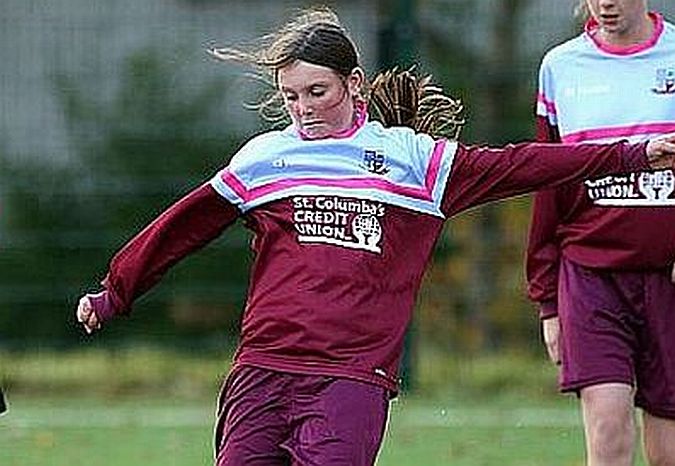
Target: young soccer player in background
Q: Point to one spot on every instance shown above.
(601, 252)
(345, 213)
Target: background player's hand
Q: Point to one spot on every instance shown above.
(661, 152)
(672, 274)
(86, 315)
(551, 331)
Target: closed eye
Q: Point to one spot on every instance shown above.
(317, 91)
(290, 96)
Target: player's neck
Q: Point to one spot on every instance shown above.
(635, 33)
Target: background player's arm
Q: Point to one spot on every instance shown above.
(543, 252)
(543, 249)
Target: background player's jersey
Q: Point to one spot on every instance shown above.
(590, 92)
(594, 93)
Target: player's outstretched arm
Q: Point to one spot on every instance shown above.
(185, 227)
(481, 174)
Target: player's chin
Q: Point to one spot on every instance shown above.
(613, 26)
(317, 131)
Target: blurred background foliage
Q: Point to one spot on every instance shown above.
(112, 111)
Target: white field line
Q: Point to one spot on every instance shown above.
(169, 416)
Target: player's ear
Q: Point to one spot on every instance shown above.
(355, 82)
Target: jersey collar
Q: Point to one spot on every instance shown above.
(591, 29)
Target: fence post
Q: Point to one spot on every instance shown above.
(398, 47)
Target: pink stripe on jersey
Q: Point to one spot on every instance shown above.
(425, 193)
(434, 166)
(550, 105)
(235, 185)
(353, 183)
(619, 132)
(592, 29)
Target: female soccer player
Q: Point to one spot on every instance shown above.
(345, 212)
(600, 253)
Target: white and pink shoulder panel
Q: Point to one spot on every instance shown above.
(395, 166)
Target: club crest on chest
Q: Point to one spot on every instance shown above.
(375, 162)
(665, 81)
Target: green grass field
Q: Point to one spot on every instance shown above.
(151, 408)
(138, 431)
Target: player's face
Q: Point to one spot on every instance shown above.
(319, 100)
(620, 20)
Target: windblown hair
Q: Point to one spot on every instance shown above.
(315, 35)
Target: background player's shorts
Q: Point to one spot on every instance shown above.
(269, 418)
(3, 405)
(619, 327)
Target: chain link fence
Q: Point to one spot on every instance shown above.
(110, 110)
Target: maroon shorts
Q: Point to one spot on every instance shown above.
(619, 327)
(268, 418)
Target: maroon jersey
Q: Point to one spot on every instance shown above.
(343, 230)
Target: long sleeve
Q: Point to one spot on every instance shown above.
(483, 174)
(183, 228)
(543, 249)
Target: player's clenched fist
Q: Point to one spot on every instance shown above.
(86, 315)
(661, 152)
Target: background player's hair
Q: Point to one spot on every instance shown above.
(315, 35)
(581, 11)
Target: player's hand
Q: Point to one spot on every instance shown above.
(86, 315)
(672, 274)
(661, 152)
(551, 331)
